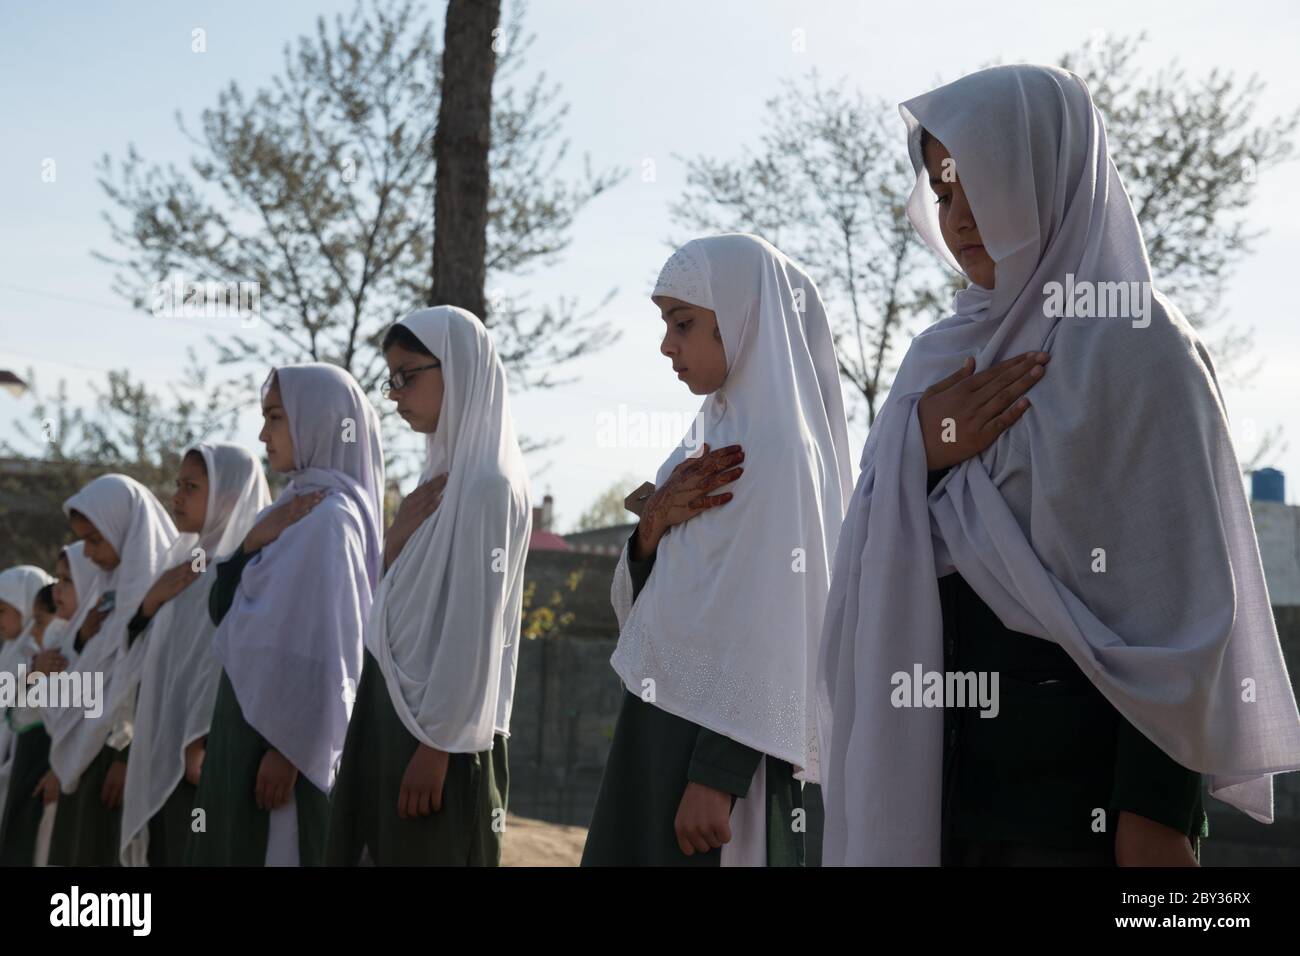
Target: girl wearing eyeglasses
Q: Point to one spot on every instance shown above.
(424, 772)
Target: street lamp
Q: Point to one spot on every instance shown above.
(11, 383)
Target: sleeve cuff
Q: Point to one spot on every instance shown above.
(222, 594)
(137, 626)
(722, 763)
(1151, 784)
(640, 570)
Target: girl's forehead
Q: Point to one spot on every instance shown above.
(668, 305)
(83, 525)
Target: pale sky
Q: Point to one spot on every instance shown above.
(644, 81)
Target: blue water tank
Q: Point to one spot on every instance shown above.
(1267, 484)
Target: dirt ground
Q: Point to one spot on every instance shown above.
(535, 843)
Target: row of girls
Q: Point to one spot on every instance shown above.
(1092, 550)
(285, 683)
(766, 606)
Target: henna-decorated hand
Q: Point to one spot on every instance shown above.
(686, 494)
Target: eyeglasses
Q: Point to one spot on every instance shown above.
(402, 377)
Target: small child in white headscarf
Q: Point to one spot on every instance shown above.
(19, 588)
(126, 533)
(31, 799)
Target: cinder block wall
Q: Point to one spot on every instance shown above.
(566, 695)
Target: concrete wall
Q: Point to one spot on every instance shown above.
(1277, 528)
(566, 701)
(566, 694)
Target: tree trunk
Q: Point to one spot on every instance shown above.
(460, 150)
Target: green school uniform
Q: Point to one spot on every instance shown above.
(466, 831)
(1026, 787)
(653, 755)
(232, 830)
(23, 811)
(169, 828)
(86, 832)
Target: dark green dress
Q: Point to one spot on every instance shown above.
(1024, 787)
(170, 827)
(234, 830)
(653, 755)
(467, 831)
(23, 811)
(86, 832)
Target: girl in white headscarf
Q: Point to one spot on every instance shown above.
(719, 594)
(220, 489)
(126, 532)
(19, 587)
(1099, 556)
(424, 774)
(290, 606)
(26, 835)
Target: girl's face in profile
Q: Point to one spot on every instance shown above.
(419, 400)
(694, 344)
(275, 431)
(190, 503)
(97, 547)
(956, 222)
(40, 618)
(11, 621)
(65, 594)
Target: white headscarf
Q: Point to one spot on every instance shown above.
(22, 651)
(445, 626)
(728, 625)
(179, 677)
(88, 583)
(18, 587)
(291, 641)
(1126, 449)
(130, 518)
